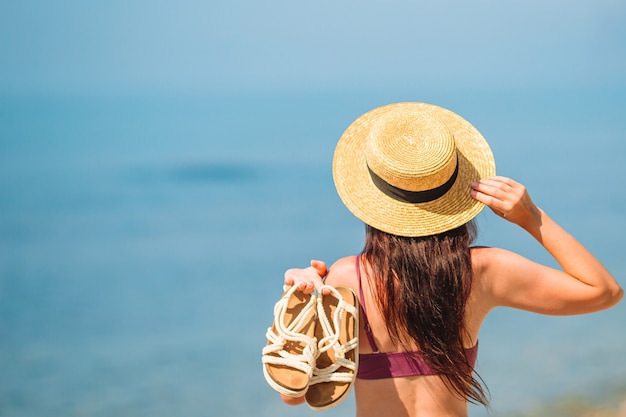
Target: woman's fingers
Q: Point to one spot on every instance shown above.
(506, 198)
(499, 188)
(490, 193)
(307, 279)
(320, 267)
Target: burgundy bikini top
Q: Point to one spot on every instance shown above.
(380, 365)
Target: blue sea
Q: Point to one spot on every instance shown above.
(143, 241)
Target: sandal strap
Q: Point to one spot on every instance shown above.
(346, 377)
(280, 334)
(331, 340)
(302, 362)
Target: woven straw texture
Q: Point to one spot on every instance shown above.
(413, 146)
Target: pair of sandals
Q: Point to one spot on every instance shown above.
(312, 347)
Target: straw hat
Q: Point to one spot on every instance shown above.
(406, 169)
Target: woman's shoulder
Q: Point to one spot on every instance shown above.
(346, 262)
(343, 273)
(491, 264)
(487, 263)
(504, 278)
(485, 257)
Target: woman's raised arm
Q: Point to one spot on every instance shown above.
(583, 286)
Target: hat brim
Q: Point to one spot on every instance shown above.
(455, 208)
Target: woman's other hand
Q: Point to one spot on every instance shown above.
(307, 279)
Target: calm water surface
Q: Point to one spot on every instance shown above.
(143, 241)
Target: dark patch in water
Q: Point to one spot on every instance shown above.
(211, 172)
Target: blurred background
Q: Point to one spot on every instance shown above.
(162, 164)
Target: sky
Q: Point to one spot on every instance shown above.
(80, 46)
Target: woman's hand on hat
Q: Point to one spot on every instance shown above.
(307, 279)
(508, 199)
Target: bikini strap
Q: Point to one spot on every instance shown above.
(366, 323)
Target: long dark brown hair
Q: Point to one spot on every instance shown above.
(421, 287)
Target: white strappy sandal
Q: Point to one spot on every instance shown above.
(290, 354)
(337, 356)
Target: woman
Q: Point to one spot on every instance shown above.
(417, 175)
